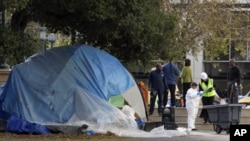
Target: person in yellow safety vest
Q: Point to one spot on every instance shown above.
(206, 86)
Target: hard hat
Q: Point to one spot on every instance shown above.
(203, 76)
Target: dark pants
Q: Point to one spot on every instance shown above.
(152, 102)
(206, 101)
(171, 88)
(185, 87)
(232, 93)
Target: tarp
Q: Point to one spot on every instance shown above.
(70, 85)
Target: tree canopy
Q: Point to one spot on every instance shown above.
(130, 30)
(209, 26)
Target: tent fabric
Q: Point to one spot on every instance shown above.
(118, 101)
(69, 85)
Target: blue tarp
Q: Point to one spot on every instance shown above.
(17, 125)
(64, 83)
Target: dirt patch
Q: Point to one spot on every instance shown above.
(56, 137)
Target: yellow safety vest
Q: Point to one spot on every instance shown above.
(205, 87)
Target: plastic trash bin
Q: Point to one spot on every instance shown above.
(222, 116)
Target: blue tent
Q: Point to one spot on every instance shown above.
(69, 85)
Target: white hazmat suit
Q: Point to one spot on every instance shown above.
(192, 105)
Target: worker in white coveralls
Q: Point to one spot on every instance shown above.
(193, 97)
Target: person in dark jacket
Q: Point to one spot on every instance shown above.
(172, 74)
(233, 81)
(156, 88)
